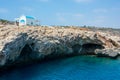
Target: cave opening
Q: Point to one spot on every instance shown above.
(25, 53)
(90, 48)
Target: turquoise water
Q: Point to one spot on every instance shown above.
(74, 68)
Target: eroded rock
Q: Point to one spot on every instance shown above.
(113, 53)
(29, 43)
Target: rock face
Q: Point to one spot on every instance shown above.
(22, 44)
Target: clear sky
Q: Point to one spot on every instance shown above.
(101, 13)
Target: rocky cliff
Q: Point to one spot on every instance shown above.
(22, 44)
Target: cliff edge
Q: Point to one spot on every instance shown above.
(22, 44)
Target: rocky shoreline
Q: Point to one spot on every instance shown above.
(25, 44)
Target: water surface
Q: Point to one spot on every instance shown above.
(74, 68)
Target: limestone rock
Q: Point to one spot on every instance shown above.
(113, 53)
(28, 43)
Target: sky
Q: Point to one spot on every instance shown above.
(100, 13)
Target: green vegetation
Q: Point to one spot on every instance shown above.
(4, 22)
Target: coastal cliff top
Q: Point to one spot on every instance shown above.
(7, 34)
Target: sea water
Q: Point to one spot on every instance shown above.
(72, 68)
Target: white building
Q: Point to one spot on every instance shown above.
(27, 20)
